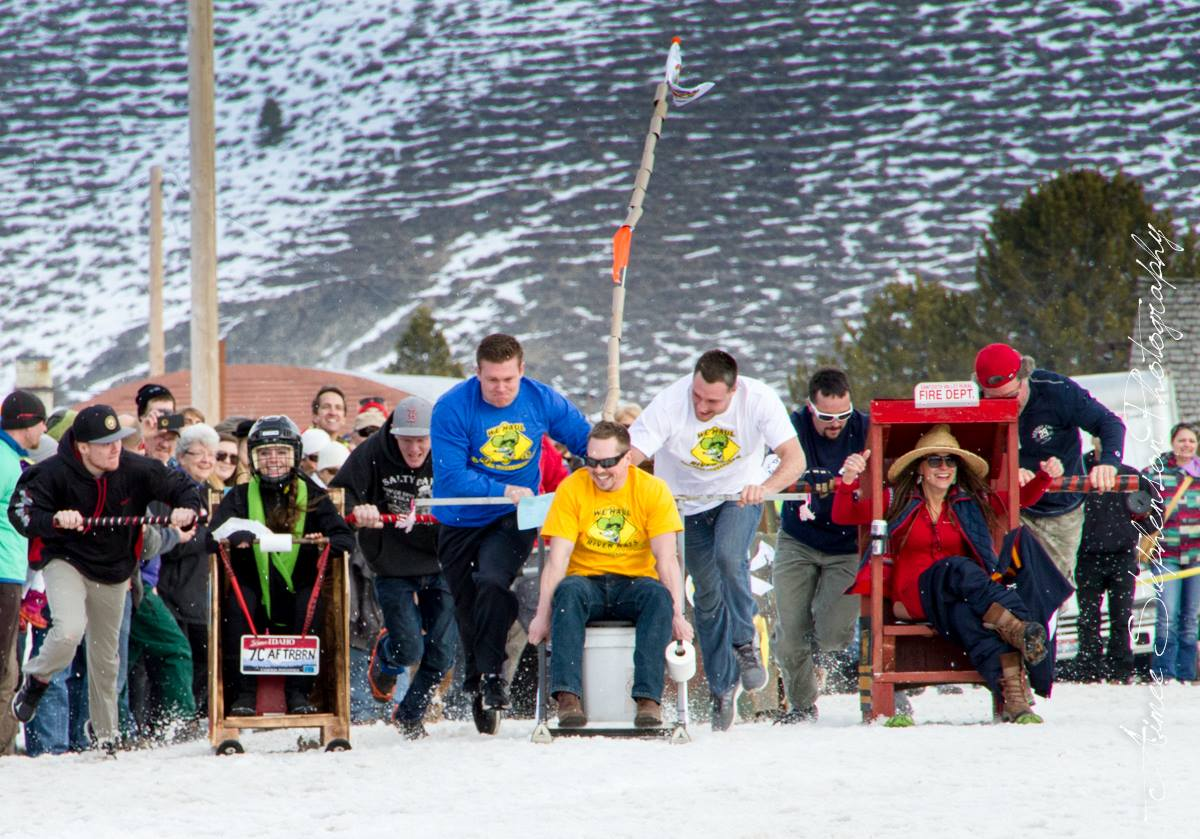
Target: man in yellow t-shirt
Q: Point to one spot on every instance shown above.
(612, 557)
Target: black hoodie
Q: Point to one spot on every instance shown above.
(62, 482)
(375, 473)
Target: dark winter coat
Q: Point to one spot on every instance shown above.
(1049, 427)
(375, 473)
(183, 576)
(62, 482)
(322, 517)
(824, 458)
(1108, 527)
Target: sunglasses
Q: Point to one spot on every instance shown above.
(824, 417)
(226, 457)
(603, 462)
(312, 457)
(937, 461)
(367, 432)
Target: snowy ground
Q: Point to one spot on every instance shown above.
(1078, 775)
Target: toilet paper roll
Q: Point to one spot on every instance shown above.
(275, 542)
(681, 660)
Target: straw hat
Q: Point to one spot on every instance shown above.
(938, 440)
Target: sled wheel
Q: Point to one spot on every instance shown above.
(486, 721)
(229, 747)
(337, 744)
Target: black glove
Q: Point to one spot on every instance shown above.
(241, 538)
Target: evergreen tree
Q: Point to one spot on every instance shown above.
(422, 349)
(1057, 275)
(270, 123)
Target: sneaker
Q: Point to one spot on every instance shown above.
(411, 729)
(246, 705)
(494, 692)
(25, 702)
(383, 683)
(108, 747)
(754, 675)
(486, 722)
(299, 703)
(724, 708)
(797, 715)
(570, 710)
(649, 714)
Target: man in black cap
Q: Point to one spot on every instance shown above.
(88, 567)
(22, 421)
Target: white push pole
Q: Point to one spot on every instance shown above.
(206, 385)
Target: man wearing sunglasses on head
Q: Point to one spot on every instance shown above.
(1053, 410)
(816, 559)
(708, 434)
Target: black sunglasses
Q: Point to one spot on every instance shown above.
(367, 432)
(227, 457)
(824, 417)
(936, 461)
(603, 462)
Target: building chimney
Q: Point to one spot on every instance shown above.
(33, 375)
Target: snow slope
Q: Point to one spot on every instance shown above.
(478, 157)
(1080, 775)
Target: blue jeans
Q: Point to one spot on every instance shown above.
(717, 551)
(59, 724)
(643, 600)
(432, 612)
(1175, 629)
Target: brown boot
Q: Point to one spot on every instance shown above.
(570, 710)
(649, 714)
(1028, 637)
(1015, 692)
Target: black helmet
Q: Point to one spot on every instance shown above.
(274, 431)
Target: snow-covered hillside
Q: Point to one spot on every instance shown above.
(478, 157)
(954, 774)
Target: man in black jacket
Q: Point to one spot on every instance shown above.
(87, 567)
(386, 474)
(1107, 565)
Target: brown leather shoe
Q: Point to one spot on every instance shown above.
(570, 710)
(649, 714)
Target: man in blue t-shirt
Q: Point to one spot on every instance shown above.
(1053, 409)
(815, 559)
(486, 436)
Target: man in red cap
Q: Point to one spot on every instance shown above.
(1053, 409)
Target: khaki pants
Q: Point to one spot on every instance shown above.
(1060, 536)
(10, 614)
(811, 609)
(80, 606)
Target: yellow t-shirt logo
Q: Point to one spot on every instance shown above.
(715, 448)
(611, 527)
(507, 447)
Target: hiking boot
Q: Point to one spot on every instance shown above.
(1027, 637)
(25, 702)
(649, 713)
(299, 703)
(724, 708)
(494, 693)
(411, 729)
(246, 705)
(1014, 691)
(382, 682)
(486, 722)
(570, 710)
(754, 675)
(797, 715)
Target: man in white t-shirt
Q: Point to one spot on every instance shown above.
(709, 434)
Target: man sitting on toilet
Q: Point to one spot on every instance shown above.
(612, 557)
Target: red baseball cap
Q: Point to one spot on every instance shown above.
(996, 364)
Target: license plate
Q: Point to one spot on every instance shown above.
(281, 655)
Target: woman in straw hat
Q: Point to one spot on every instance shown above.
(942, 517)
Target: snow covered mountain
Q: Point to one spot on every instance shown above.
(477, 157)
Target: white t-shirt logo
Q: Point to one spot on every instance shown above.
(715, 448)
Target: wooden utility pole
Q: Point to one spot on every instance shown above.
(157, 341)
(206, 385)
